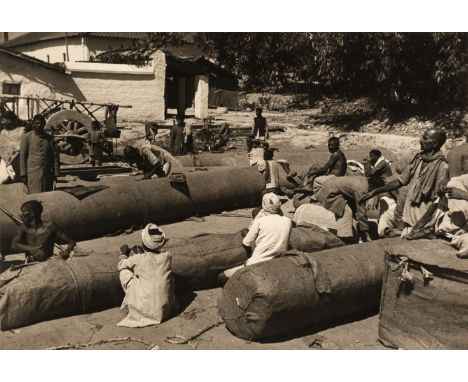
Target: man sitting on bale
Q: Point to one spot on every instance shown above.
(145, 275)
(426, 175)
(377, 169)
(36, 237)
(270, 233)
(336, 166)
(153, 160)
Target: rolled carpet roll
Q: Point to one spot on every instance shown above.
(138, 203)
(297, 290)
(55, 288)
(197, 262)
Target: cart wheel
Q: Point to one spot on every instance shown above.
(73, 123)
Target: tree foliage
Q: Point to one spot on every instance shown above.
(396, 69)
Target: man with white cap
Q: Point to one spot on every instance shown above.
(146, 279)
(270, 233)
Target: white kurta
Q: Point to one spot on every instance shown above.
(149, 288)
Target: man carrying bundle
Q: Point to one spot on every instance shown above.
(270, 233)
(426, 177)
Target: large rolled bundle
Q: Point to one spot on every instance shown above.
(298, 290)
(197, 262)
(55, 288)
(210, 160)
(81, 284)
(138, 203)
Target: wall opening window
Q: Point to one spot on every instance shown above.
(11, 88)
(64, 57)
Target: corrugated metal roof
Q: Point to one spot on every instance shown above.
(32, 59)
(33, 37)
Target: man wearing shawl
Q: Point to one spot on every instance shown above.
(145, 275)
(426, 177)
(270, 233)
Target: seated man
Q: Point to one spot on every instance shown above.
(36, 237)
(255, 151)
(147, 281)
(270, 233)
(222, 137)
(336, 166)
(377, 169)
(457, 158)
(426, 177)
(151, 130)
(152, 160)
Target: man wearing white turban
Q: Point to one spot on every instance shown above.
(270, 233)
(147, 281)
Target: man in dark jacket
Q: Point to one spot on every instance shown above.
(39, 158)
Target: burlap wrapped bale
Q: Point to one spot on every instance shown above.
(197, 262)
(138, 203)
(297, 290)
(308, 237)
(54, 288)
(425, 314)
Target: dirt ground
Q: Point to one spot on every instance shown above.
(196, 315)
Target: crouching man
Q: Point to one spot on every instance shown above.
(269, 232)
(145, 275)
(36, 237)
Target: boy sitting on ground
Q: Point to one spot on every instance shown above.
(36, 237)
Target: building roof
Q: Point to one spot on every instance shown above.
(194, 65)
(31, 59)
(33, 37)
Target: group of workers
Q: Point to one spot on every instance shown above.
(429, 198)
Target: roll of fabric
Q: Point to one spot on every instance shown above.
(55, 288)
(298, 290)
(138, 203)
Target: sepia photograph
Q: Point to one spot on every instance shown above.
(233, 190)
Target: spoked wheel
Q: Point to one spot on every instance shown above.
(70, 129)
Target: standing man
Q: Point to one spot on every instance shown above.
(39, 158)
(177, 137)
(426, 177)
(260, 125)
(457, 158)
(95, 141)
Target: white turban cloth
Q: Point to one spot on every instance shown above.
(271, 203)
(153, 241)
